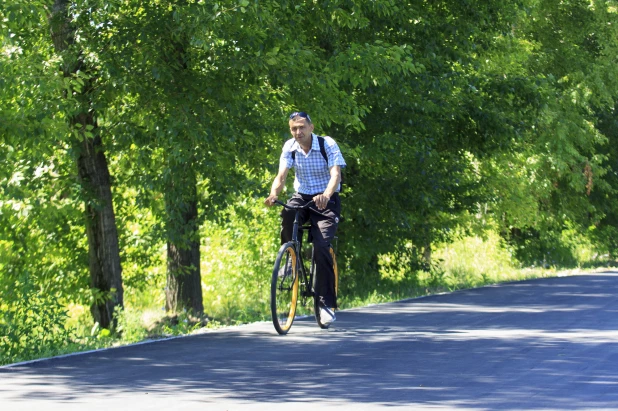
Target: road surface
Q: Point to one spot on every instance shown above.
(548, 344)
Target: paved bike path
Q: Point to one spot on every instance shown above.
(548, 344)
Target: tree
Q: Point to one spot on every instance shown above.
(49, 117)
(81, 113)
(416, 76)
(572, 61)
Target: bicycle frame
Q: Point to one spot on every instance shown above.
(307, 280)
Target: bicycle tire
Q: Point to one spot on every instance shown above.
(335, 269)
(316, 298)
(284, 290)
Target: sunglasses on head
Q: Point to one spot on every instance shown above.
(300, 114)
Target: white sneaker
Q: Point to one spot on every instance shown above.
(327, 316)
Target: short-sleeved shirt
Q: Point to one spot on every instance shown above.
(312, 173)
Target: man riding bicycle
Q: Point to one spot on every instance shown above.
(317, 162)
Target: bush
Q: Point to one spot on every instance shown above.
(32, 326)
(558, 247)
(238, 253)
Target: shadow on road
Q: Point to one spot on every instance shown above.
(542, 344)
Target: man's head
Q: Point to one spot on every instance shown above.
(301, 128)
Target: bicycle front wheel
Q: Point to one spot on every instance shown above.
(284, 289)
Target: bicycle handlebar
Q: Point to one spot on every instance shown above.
(281, 203)
(306, 206)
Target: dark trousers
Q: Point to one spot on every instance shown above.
(323, 231)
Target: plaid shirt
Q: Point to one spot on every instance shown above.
(312, 172)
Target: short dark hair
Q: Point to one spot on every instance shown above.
(301, 114)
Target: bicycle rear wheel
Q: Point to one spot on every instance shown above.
(332, 253)
(284, 289)
(316, 299)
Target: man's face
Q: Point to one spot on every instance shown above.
(301, 130)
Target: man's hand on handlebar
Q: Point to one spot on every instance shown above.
(270, 200)
(320, 201)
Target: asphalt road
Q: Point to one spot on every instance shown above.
(549, 344)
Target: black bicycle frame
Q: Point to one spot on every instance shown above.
(297, 240)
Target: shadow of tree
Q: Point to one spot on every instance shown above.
(540, 344)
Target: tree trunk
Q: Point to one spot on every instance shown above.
(94, 177)
(184, 283)
(104, 252)
(427, 256)
(184, 279)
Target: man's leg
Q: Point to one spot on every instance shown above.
(324, 229)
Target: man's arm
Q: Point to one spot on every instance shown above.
(278, 184)
(335, 178)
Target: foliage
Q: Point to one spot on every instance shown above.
(239, 251)
(32, 324)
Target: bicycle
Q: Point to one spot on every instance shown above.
(298, 281)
